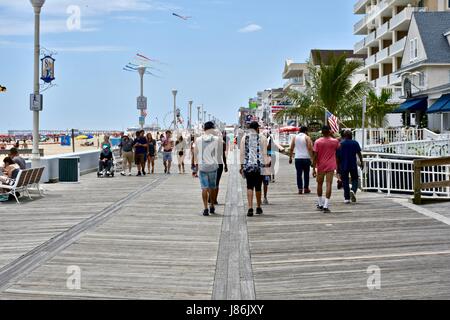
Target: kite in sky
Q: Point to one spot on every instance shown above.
(182, 17)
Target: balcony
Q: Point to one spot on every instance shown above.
(360, 27)
(370, 39)
(401, 20)
(360, 7)
(382, 56)
(383, 31)
(370, 61)
(383, 82)
(395, 79)
(396, 49)
(376, 10)
(373, 83)
(360, 47)
(294, 83)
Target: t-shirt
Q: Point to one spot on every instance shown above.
(326, 154)
(127, 146)
(347, 154)
(141, 149)
(20, 162)
(208, 153)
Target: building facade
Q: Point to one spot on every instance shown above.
(425, 71)
(384, 27)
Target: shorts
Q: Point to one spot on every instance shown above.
(140, 158)
(127, 158)
(167, 156)
(254, 181)
(208, 180)
(329, 175)
(266, 180)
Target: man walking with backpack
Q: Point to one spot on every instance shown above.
(253, 157)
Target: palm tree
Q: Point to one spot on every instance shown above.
(379, 107)
(332, 86)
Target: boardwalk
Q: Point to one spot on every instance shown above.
(145, 238)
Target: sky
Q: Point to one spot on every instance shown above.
(221, 57)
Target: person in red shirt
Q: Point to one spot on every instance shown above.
(325, 165)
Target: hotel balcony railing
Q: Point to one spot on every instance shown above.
(359, 46)
(383, 81)
(397, 47)
(382, 55)
(377, 9)
(383, 30)
(293, 82)
(370, 38)
(371, 60)
(373, 83)
(395, 78)
(359, 5)
(359, 25)
(403, 16)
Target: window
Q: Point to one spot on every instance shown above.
(421, 79)
(414, 49)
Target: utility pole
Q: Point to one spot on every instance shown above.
(141, 71)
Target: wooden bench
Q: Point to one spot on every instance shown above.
(26, 179)
(419, 185)
(22, 152)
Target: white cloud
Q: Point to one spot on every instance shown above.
(251, 28)
(16, 17)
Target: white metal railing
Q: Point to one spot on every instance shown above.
(383, 54)
(377, 136)
(370, 60)
(358, 5)
(359, 25)
(397, 175)
(395, 78)
(404, 15)
(383, 81)
(428, 148)
(381, 31)
(370, 38)
(360, 45)
(397, 47)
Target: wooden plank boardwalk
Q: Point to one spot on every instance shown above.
(145, 238)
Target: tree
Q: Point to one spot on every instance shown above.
(378, 107)
(331, 85)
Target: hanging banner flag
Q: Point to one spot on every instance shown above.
(48, 69)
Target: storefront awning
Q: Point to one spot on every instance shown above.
(413, 105)
(442, 105)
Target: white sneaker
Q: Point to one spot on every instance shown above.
(347, 201)
(130, 174)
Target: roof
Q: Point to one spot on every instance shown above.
(325, 55)
(432, 27)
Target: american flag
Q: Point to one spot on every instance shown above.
(333, 121)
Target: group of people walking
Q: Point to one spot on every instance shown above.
(327, 156)
(143, 150)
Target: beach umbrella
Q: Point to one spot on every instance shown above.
(289, 129)
(90, 137)
(81, 137)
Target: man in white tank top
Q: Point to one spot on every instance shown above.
(303, 146)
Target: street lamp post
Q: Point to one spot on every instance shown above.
(198, 115)
(37, 5)
(190, 115)
(204, 116)
(174, 92)
(141, 71)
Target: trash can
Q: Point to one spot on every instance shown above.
(69, 170)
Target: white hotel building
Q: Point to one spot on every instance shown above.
(384, 28)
